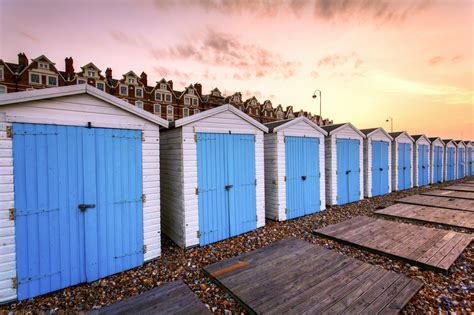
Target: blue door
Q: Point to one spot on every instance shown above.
(226, 185)
(302, 176)
(348, 170)
(470, 163)
(379, 168)
(404, 166)
(461, 163)
(450, 164)
(57, 169)
(438, 165)
(423, 165)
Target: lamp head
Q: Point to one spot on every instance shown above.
(314, 95)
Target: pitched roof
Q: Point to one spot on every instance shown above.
(416, 137)
(14, 67)
(281, 124)
(397, 134)
(40, 94)
(331, 128)
(369, 131)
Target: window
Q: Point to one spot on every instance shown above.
(186, 101)
(2, 77)
(196, 111)
(185, 112)
(131, 80)
(52, 81)
(158, 96)
(43, 65)
(35, 78)
(138, 92)
(195, 101)
(123, 90)
(190, 92)
(139, 104)
(236, 98)
(169, 112)
(280, 115)
(168, 98)
(3, 89)
(163, 86)
(81, 81)
(100, 86)
(91, 74)
(157, 109)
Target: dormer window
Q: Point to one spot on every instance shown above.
(190, 92)
(131, 80)
(280, 115)
(138, 92)
(236, 98)
(123, 90)
(43, 65)
(91, 74)
(163, 86)
(215, 93)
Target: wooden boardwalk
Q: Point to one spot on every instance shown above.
(459, 188)
(427, 247)
(439, 202)
(450, 194)
(466, 184)
(297, 277)
(170, 298)
(448, 217)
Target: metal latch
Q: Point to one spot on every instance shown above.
(145, 249)
(303, 177)
(11, 214)
(143, 198)
(228, 187)
(9, 132)
(84, 207)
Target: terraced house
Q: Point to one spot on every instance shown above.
(161, 99)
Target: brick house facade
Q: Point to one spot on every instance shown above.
(161, 99)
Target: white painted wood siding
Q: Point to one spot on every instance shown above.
(376, 136)
(400, 139)
(75, 110)
(331, 162)
(272, 184)
(436, 143)
(419, 142)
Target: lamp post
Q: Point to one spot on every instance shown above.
(391, 123)
(316, 95)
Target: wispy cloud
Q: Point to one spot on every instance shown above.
(436, 60)
(173, 73)
(220, 49)
(28, 35)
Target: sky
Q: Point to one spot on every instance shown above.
(410, 60)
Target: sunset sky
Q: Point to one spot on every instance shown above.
(410, 60)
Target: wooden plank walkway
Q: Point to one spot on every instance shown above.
(297, 277)
(459, 188)
(427, 247)
(439, 202)
(466, 184)
(450, 194)
(448, 217)
(171, 298)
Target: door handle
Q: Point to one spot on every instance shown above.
(381, 169)
(303, 177)
(423, 166)
(228, 187)
(84, 207)
(347, 172)
(404, 168)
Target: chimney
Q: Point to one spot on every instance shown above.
(170, 83)
(69, 66)
(108, 73)
(22, 60)
(143, 78)
(198, 88)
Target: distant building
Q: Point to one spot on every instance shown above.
(161, 99)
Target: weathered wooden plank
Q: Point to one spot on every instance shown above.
(426, 214)
(466, 184)
(170, 298)
(418, 245)
(322, 280)
(439, 202)
(402, 298)
(458, 188)
(450, 194)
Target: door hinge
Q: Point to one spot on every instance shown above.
(9, 132)
(195, 137)
(143, 136)
(284, 178)
(256, 218)
(337, 198)
(286, 210)
(198, 234)
(145, 249)
(14, 283)
(143, 198)
(255, 182)
(284, 139)
(196, 191)
(11, 215)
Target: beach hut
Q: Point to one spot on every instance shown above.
(294, 169)
(437, 158)
(402, 160)
(460, 159)
(344, 164)
(377, 169)
(469, 158)
(79, 190)
(449, 160)
(421, 160)
(213, 167)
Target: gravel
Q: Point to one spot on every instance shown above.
(451, 292)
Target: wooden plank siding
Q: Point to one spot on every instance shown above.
(294, 276)
(453, 218)
(171, 298)
(427, 247)
(439, 202)
(450, 194)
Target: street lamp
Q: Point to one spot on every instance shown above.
(391, 123)
(316, 95)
